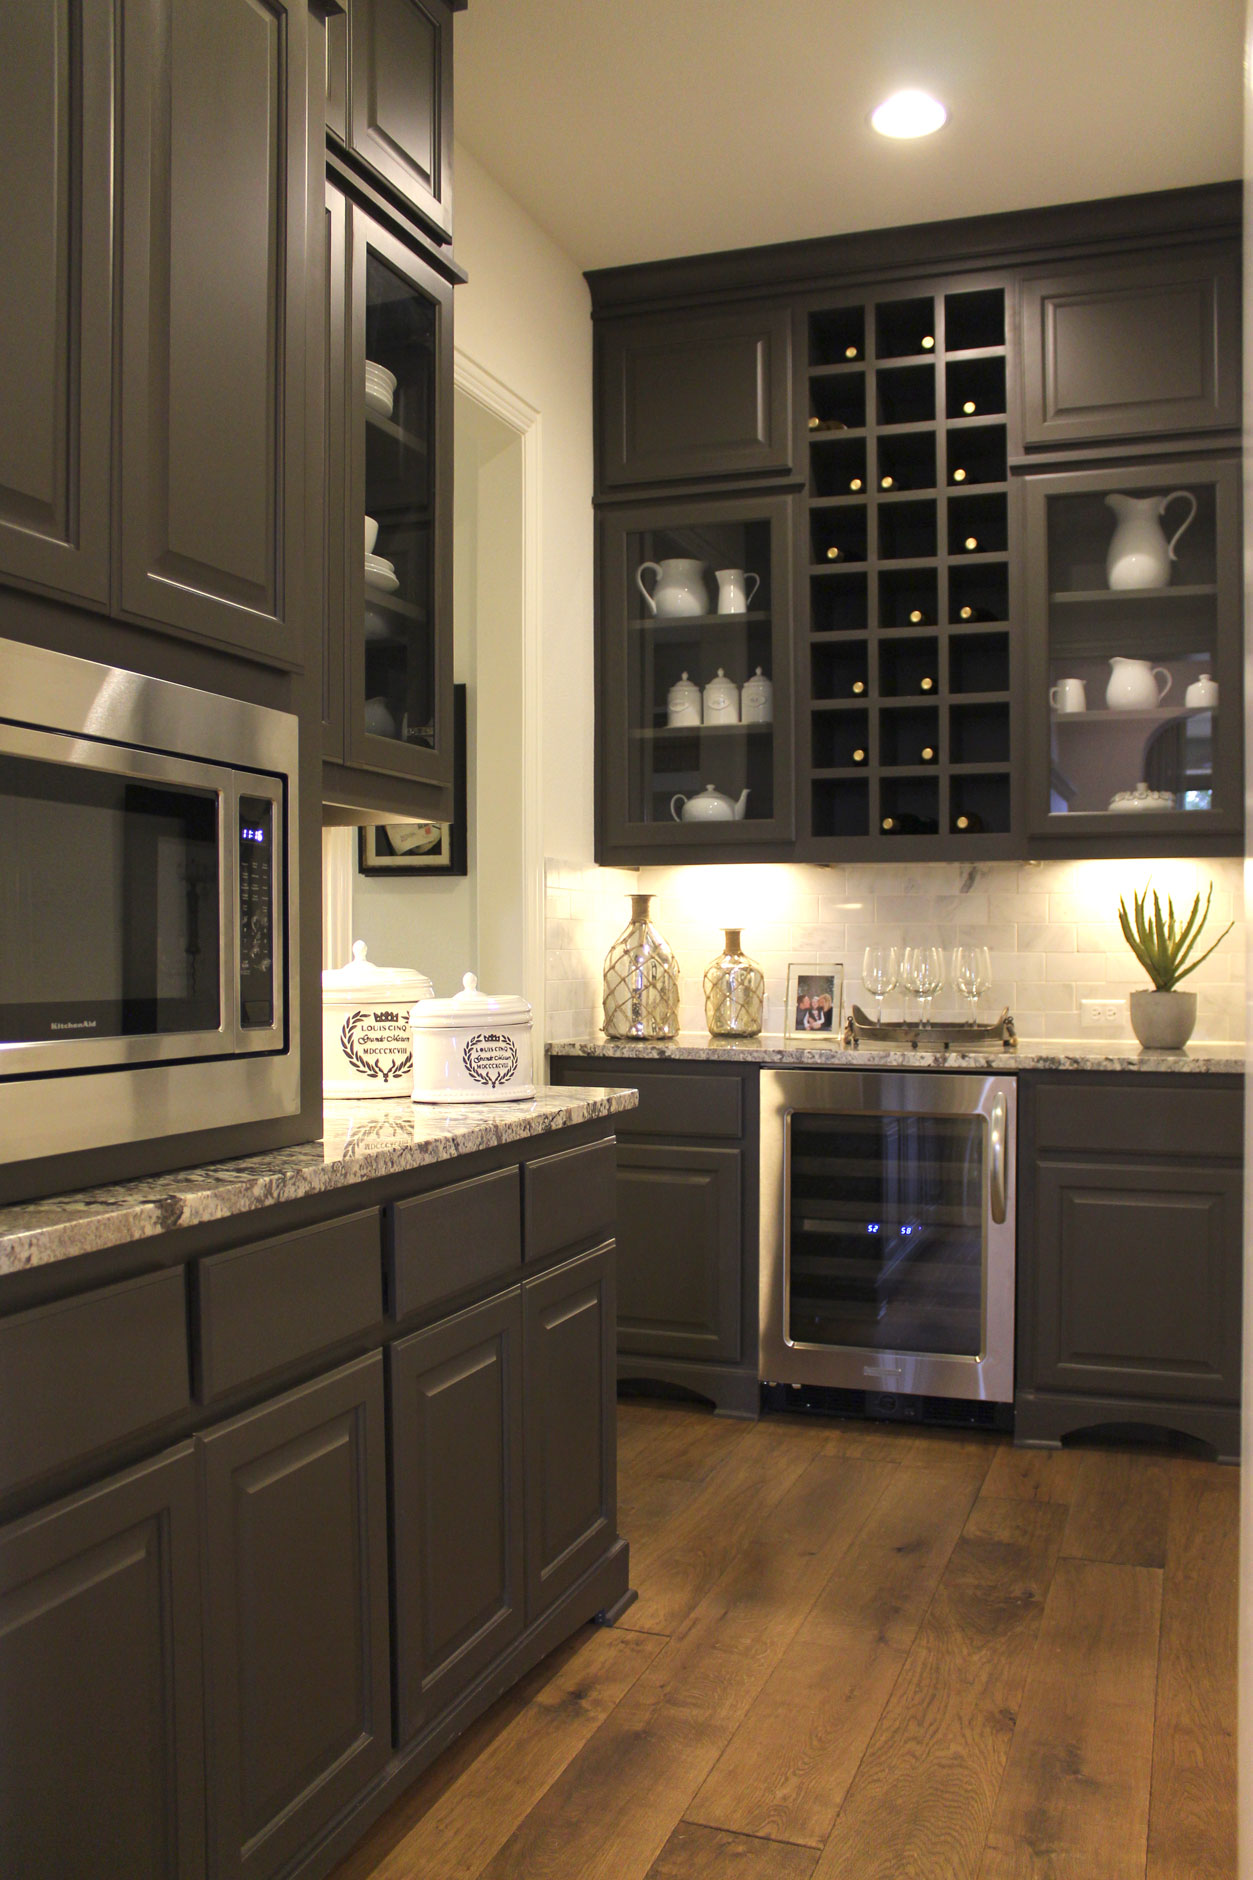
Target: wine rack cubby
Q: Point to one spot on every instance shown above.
(908, 572)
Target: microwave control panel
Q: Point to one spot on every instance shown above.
(256, 911)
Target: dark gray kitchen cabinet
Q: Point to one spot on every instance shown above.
(679, 1251)
(398, 109)
(694, 396)
(100, 1682)
(1132, 347)
(457, 1499)
(214, 193)
(296, 1616)
(1130, 1258)
(571, 1485)
(56, 285)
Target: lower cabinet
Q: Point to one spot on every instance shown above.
(296, 1616)
(679, 1261)
(457, 1497)
(102, 1767)
(571, 1481)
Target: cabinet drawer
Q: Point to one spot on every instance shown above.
(457, 1237)
(273, 1303)
(669, 1105)
(84, 1373)
(570, 1199)
(1194, 1120)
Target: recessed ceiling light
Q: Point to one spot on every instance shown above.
(909, 114)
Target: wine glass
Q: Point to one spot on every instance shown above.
(972, 975)
(880, 969)
(922, 973)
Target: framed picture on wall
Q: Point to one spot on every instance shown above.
(424, 848)
(815, 1000)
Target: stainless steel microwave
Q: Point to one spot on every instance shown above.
(148, 980)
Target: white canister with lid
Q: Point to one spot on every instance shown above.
(757, 699)
(366, 1038)
(471, 1048)
(683, 702)
(722, 700)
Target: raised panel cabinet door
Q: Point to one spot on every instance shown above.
(335, 497)
(1123, 350)
(1138, 1282)
(679, 1251)
(215, 270)
(400, 100)
(694, 396)
(102, 1771)
(56, 285)
(298, 1698)
(571, 1452)
(456, 1397)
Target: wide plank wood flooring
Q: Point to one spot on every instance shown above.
(863, 1652)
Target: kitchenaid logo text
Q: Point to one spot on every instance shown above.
(74, 1024)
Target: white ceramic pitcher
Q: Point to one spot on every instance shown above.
(678, 590)
(734, 594)
(1139, 554)
(1133, 685)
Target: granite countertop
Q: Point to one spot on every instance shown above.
(773, 1049)
(360, 1142)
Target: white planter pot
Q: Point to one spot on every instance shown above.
(1162, 1021)
(366, 1040)
(471, 1048)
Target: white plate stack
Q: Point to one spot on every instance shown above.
(380, 388)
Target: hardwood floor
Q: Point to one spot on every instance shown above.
(867, 1653)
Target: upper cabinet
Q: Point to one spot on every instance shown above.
(695, 396)
(1132, 348)
(56, 285)
(389, 100)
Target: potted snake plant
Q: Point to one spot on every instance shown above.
(1162, 1017)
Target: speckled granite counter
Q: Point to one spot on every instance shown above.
(773, 1049)
(361, 1141)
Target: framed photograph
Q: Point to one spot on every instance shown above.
(424, 848)
(815, 1000)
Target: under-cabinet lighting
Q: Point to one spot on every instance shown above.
(909, 114)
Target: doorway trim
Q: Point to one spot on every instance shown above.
(476, 382)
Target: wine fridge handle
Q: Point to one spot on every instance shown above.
(996, 1170)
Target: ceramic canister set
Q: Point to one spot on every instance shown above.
(385, 1034)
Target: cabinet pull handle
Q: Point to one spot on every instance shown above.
(996, 1159)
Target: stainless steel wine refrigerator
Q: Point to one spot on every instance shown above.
(887, 1234)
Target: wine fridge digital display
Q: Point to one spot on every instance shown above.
(887, 1242)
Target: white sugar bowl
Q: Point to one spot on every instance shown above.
(471, 1048)
(366, 1045)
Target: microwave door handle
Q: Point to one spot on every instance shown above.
(996, 1157)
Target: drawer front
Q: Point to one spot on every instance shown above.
(85, 1373)
(570, 1199)
(1193, 1120)
(670, 1103)
(270, 1304)
(454, 1238)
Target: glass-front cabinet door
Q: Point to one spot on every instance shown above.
(389, 484)
(1135, 614)
(695, 696)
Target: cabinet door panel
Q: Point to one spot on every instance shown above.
(1139, 1280)
(400, 99)
(679, 1251)
(571, 1492)
(456, 1394)
(56, 76)
(1125, 350)
(695, 396)
(296, 1615)
(100, 1683)
(214, 178)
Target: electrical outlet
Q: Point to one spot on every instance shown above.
(1096, 1014)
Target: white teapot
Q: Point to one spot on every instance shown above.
(710, 806)
(1133, 685)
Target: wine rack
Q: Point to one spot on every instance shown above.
(906, 590)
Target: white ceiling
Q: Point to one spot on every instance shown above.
(634, 129)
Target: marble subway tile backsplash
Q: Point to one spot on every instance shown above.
(1051, 928)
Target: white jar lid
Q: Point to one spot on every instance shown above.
(362, 980)
(469, 1007)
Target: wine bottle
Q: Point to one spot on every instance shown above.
(859, 757)
(907, 824)
(972, 543)
(958, 476)
(927, 754)
(859, 686)
(975, 613)
(917, 618)
(928, 342)
(968, 407)
(833, 553)
(850, 352)
(970, 823)
(885, 483)
(855, 485)
(827, 424)
(926, 685)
